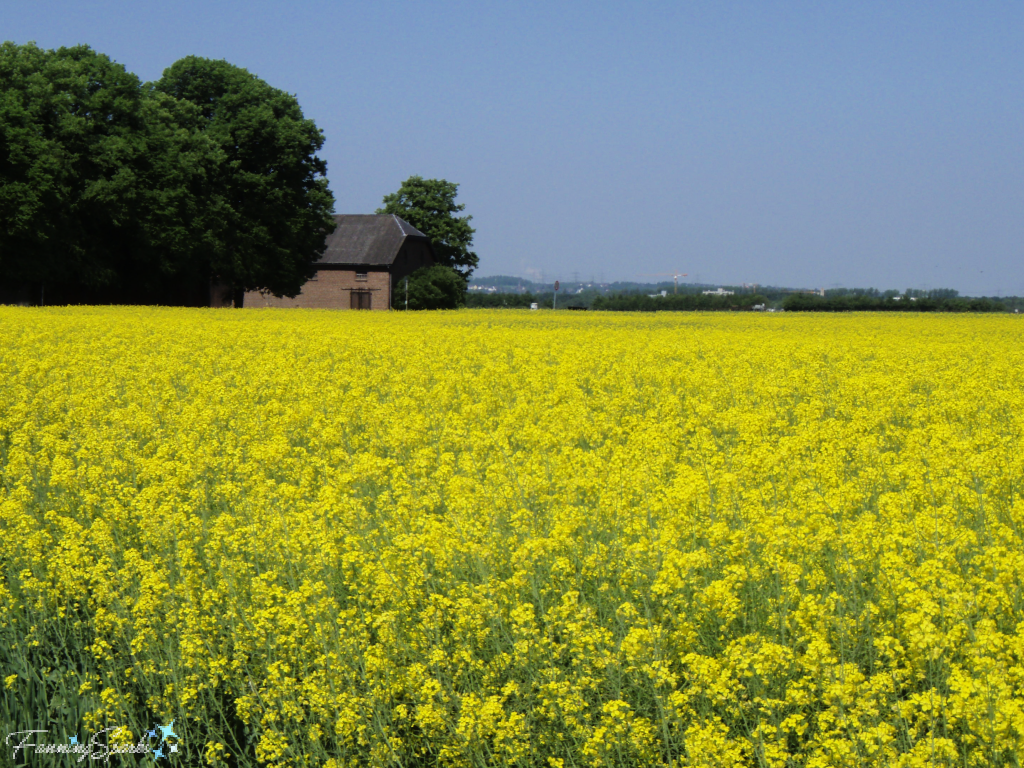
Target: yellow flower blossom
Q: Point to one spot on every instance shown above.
(516, 539)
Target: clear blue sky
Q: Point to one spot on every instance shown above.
(808, 144)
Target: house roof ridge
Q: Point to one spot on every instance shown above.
(368, 239)
(406, 228)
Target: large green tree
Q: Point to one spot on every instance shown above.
(111, 190)
(101, 183)
(429, 205)
(270, 208)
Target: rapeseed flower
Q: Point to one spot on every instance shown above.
(505, 538)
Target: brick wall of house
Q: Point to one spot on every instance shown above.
(330, 289)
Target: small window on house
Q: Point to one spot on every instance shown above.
(361, 300)
(360, 275)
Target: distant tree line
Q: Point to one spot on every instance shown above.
(511, 300)
(619, 302)
(116, 190)
(906, 303)
(834, 300)
(691, 302)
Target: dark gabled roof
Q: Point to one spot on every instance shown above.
(368, 239)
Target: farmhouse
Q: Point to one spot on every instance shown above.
(366, 257)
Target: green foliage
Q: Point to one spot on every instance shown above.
(433, 287)
(429, 205)
(638, 302)
(100, 183)
(114, 190)
(270, 207)
(497, 300)
(802, 302)
(619, 302)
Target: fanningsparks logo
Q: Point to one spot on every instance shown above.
(98, 746)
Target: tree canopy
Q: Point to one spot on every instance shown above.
(98, 182)
(272, 207)
(429, 205)
(148, 192)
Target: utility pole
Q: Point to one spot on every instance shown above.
(554, 297)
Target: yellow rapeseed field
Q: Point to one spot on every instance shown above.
(487, 538)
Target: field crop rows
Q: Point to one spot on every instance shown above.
(488, 538)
